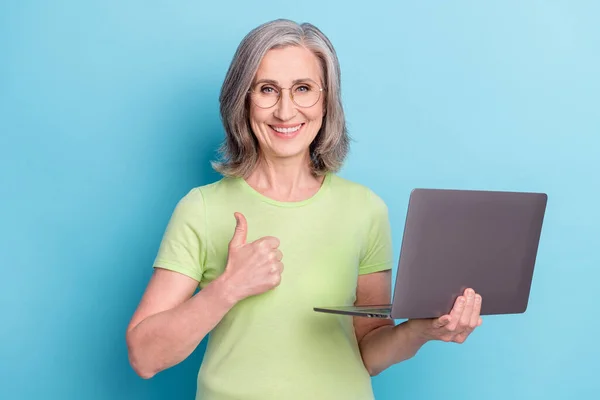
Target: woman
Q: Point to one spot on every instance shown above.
(301, 237)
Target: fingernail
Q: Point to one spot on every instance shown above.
(478, 298)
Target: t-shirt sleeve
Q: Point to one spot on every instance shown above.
(378, 253)
(183, 246)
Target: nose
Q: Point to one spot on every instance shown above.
(285, 108)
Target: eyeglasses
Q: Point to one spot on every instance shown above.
(305, 93)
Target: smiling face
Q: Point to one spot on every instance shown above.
(286, 130)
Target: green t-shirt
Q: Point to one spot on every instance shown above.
(274, 346)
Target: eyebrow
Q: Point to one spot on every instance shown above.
(273, 82)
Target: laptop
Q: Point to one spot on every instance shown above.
(455, 239)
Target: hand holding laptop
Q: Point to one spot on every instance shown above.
(455, 326)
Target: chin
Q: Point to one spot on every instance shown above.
(290, 153)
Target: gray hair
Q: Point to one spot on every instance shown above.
(240, 151)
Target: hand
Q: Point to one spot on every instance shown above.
(458, 324)
(252, 268)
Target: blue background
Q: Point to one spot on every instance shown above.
(109, 114)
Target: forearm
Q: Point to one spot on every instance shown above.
(389, 345)
(167, 338)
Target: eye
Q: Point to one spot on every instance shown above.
(268, 90)
(303, 88)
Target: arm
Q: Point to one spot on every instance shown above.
(170, 323)
(383, 344)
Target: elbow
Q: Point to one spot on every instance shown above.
(141, 368)
(373, 371)
(372, 368)
(144, 374)
(370, 363)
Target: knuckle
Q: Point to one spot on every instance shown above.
(276, 268)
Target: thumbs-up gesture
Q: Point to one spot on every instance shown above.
(252, 268)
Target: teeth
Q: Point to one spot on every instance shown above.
(287, 130)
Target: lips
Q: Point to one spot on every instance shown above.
(286, 131)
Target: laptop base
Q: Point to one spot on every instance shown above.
(383, 311)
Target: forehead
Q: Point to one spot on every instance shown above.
(287, 64)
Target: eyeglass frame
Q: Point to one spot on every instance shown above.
(321, 90)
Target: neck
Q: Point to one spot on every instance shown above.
(285, 179)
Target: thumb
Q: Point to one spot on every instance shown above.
(441, 321)
(241, 229)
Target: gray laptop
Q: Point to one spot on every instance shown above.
(454, 239)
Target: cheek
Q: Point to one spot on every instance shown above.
(320, 110)
(316, 115)
(257, 117)
(315, 126)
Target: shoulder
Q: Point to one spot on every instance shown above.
(195, 199)
(357, 194)
(219, 190)
(198, 195)
(199, 203)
